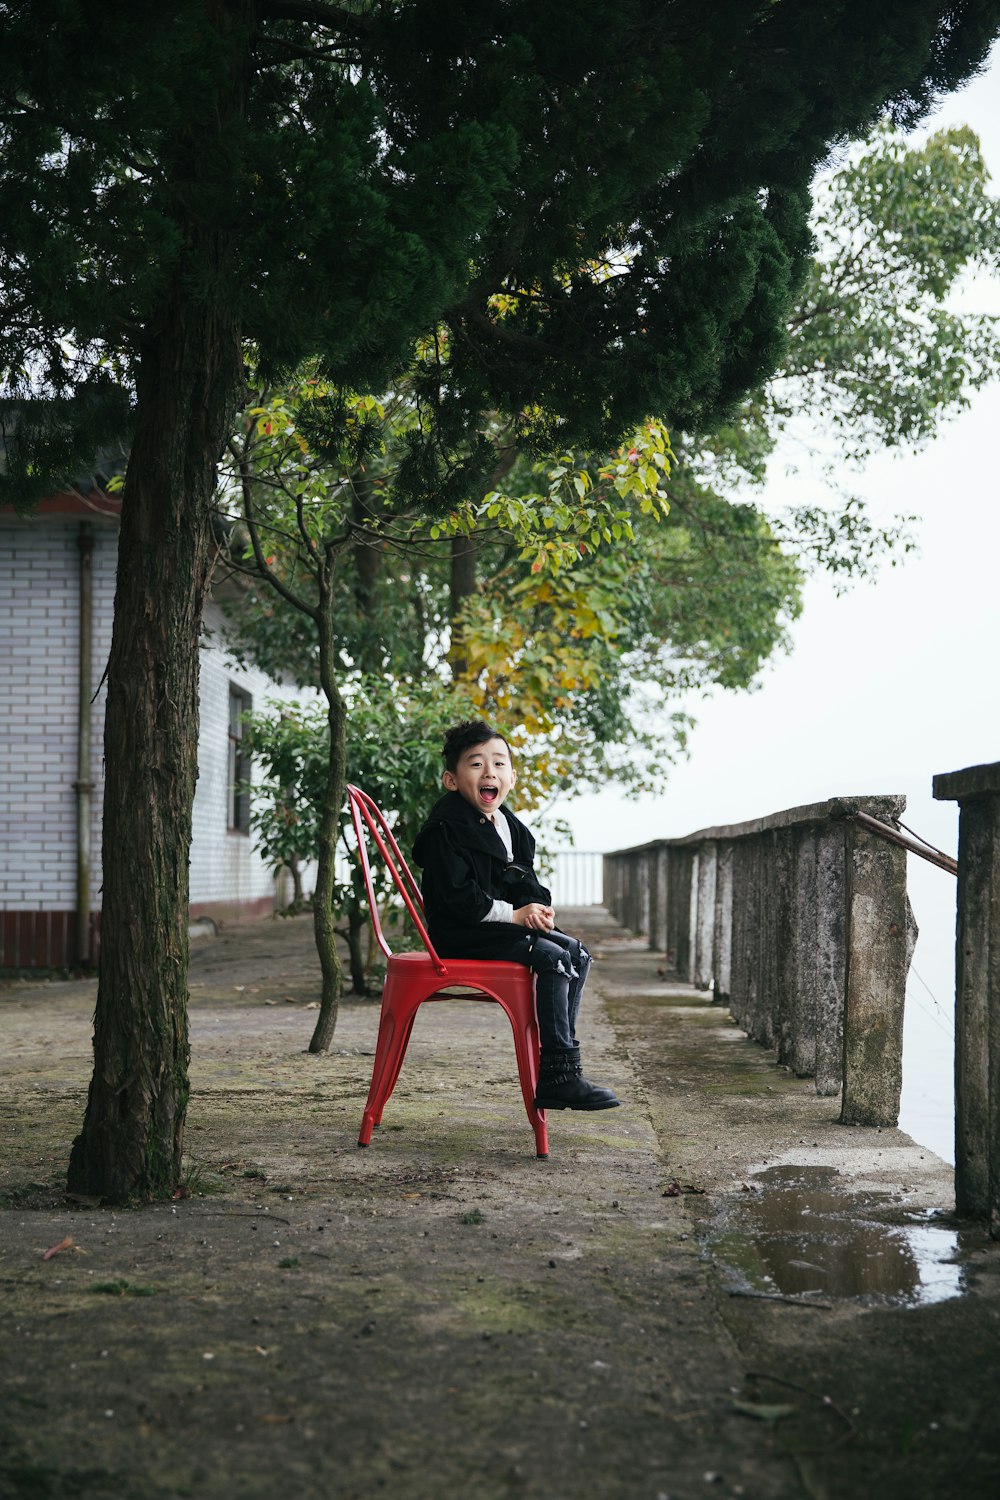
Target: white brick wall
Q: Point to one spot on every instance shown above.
(39, 625)
(39, 692)
(224, 865)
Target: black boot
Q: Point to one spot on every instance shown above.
(561, 1084)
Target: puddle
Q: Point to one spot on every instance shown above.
(802, 1235)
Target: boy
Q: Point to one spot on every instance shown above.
(483, 900)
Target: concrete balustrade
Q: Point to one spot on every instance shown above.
(800, 923)
(977, 990)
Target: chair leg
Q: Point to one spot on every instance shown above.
(526, 1048)
(397, 1058)
(395, 1026)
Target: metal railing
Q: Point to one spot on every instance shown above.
(575, 877)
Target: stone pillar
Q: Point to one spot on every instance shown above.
(680, 910)
(641, 923)
(831, 957)
(632, 891)
(766, 950)
(668, 897)
(785, 956)
(803, 979)
(752, 939)
(876, 978)
(722, 945)
(610, 866)
(739, 972)
(692, 921)
(977, 990)
(704, 924)
(657, 898)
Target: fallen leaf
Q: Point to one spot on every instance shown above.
(66, 1244)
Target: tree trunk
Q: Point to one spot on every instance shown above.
(329, 828)
(463, 583)
(189, 375)
(132, 1137)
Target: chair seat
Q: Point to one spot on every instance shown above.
(477, 972)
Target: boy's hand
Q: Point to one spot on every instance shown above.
(535, 915)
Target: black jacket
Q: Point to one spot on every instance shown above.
(465, 869)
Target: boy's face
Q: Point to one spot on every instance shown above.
(484, 775)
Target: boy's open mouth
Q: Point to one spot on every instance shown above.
(489, 793)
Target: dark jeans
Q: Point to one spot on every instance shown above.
(560, 965)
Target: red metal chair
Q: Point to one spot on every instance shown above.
(412, 978)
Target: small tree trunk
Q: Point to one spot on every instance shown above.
(463, 583)
(356, 922)
(329, 827)
(295, 870)
(366, 561)
(372, 953)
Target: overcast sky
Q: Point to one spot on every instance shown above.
(884, 687)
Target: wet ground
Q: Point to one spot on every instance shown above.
(715, 1290)
(799, 1232)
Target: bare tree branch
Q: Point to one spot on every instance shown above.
(246, 484)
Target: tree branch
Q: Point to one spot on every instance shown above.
(316, 13)
(263, 568)
(504, 335)
(294, 53)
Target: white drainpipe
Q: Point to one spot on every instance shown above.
(83, 786)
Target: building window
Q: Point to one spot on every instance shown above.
(240, 703)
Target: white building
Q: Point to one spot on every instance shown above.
(57, 579)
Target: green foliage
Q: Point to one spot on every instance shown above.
(585, 502)
(289, 744)
(589, 659)
(580, 652)
(875, 349)
(394, 742)
(605, 209)
(877, 356)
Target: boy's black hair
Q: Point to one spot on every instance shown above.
(464, 736)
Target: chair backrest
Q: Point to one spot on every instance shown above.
(368, 818)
